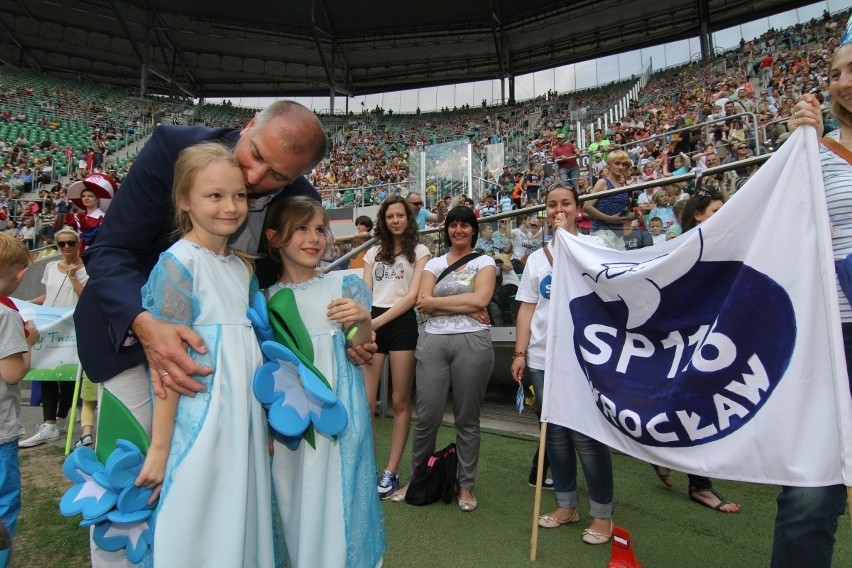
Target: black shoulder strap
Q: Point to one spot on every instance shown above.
(463, 260)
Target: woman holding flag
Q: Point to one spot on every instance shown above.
(561, 443)
(807, 517)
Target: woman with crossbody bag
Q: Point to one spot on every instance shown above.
(807, 517)
(63, 280)
(455, 350)
(563, 445)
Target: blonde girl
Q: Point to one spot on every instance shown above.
(610, 213)
(208, 459)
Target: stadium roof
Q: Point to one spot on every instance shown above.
(224, 48)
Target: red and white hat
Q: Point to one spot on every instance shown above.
(100, 184)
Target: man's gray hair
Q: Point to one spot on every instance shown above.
(305, 131)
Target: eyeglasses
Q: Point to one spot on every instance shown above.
(416, 203)
(66, 244)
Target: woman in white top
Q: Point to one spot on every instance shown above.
(807, 517)
(455, 350)
(393, 270)
(63, 280)
(563, 444)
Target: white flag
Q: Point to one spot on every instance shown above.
(54, 356)
(718, 353)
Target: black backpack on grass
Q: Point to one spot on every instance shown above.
(436, 479)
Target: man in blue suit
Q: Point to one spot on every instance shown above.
(116, 337)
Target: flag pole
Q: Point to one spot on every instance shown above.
(538, 481)
(848, 500)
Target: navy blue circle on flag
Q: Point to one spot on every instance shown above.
(700, 367)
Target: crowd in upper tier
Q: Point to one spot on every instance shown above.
(52, 128)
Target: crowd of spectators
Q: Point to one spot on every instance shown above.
(692, 117)
(739, 98)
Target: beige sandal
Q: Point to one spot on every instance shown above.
(548, 522)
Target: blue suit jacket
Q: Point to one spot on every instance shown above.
(138, 227)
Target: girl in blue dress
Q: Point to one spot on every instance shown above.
(208, 458)
(325, 488)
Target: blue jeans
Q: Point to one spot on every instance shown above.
(807, 516)
(563, 447)
(569, 175)
(10, 485)
(805, 526)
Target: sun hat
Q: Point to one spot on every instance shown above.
(102, 185)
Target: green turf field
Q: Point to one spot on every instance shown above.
(669, 530)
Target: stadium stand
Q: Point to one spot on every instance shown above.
(53, 129)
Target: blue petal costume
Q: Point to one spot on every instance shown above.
(106, 497)
(215, 508)
(326, 492)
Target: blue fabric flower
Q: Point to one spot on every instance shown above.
(295, 396)
(91, 495)
(259, 318)
(107, 497)
(133, 533)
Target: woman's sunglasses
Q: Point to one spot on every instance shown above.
(66, 244)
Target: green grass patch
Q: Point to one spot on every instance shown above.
(46, 539)
(668, 529)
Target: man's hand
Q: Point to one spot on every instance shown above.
(363, 354)
(170, 365)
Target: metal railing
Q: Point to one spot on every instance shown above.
(360, 193)
(584, 159)
(638, 187)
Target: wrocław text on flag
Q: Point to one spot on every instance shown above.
(719, 352)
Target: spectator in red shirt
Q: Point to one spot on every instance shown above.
(565, 155)
(766, 68)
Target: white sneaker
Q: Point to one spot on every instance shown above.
(61, 424)
(44, 433)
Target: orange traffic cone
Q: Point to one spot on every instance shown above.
(622, 550)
